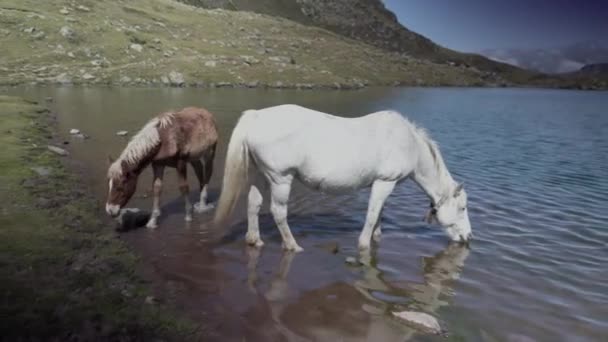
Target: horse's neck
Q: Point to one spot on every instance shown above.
(432, 175)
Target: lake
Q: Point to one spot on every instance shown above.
(535, 166)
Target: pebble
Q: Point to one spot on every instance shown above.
(41, 171)
(74, 131)
(57, 150)
(420, 320)
(353, 261)
(122, 133)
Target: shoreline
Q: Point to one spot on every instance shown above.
(63, 265)
(290, 86)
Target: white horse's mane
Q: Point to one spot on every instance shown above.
(442, 171)
(141, 143)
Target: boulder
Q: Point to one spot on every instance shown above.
(176, 79)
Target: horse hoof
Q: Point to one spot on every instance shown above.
(151, 225)
(254, 241)
(294, 248)
(188, 218)
(201, 208)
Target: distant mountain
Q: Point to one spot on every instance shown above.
(565, 59)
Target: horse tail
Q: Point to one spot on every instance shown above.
(235, 171)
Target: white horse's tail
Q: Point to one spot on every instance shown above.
(235, 171)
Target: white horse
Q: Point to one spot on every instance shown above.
(337, 155)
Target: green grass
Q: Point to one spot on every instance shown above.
(178, 37)
(63, 273)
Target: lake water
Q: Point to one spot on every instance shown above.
(535, 165)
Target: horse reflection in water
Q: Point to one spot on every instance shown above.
(341, 311)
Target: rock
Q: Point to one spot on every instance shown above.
(83, 8)
(280, 59)
(64, 11)
(164, 80)
(57, 150)
(71, 55)
(125, 79)
(30, 30)
(74, 131)
(41, 171)
(81, 136)
(519, 338)
(132, 218)
(122, 133)
(331, 247)
(156, 41)
(136, 47)
(68, 33)
(38, 35)
(176, 79)
(352, 261)
(211, 64)
(253, 84)
(63, 79)
(88, 77)
(420, 320)
(49, 99)
(150, 300)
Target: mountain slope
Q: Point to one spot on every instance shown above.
(165, 42)
(371, 22)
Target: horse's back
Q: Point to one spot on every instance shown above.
(190, 132)
(325, 151)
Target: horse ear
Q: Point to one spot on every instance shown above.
(110, 160)
(458, 189)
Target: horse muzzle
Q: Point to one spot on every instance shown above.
(112, 209)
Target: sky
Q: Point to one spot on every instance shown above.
(475, 25)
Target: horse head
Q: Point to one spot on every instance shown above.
(122, 183)
(451, 213)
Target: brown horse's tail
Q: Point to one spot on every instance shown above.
(235, 171)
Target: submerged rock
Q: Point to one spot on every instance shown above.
(420, 320)
(353, 261)
(74, 131)
(331, 247)
(58, 150)
(41, 171)
(122, 133)
(132, 218)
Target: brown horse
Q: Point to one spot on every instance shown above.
(171, 139)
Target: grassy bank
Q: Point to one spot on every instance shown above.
(64, 275)
(168, 43)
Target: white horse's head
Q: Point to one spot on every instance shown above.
(451, 213)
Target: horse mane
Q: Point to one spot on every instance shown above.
(142, 143)
(442, 170)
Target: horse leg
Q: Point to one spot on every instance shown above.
(378, 228)
(203, 174)
(182, 178)
(380, 191)
(254, 203)
(157, 186)
(278, 207)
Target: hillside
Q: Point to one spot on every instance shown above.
(371, 22)
(165, 42)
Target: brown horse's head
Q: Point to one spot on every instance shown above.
(122, 183)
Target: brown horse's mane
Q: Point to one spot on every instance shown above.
(141, 144)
